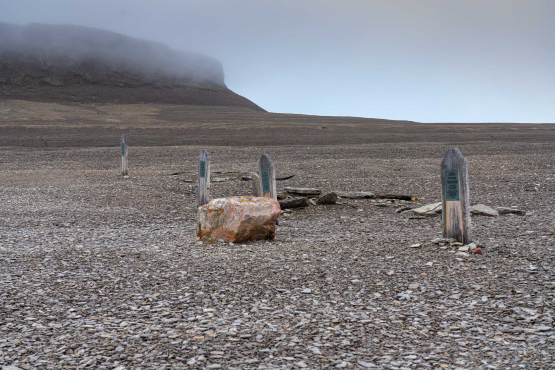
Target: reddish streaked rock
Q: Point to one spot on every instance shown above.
(238, 219)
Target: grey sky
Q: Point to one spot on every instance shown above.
(423, 60)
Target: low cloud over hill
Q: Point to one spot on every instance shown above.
(81, 64)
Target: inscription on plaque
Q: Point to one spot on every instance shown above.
(452, 185)
(122, 149)
(202, 169)
(265, 181)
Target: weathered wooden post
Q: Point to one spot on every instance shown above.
(455, 197)
(203, 178)
(267, 177)
(256, 185)
(124, 161)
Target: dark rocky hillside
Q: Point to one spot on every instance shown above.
(80, 64)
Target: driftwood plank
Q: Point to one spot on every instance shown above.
(203, 178)
(267, 175)
(124, 159)
(256, 185)
(246, 178)
(455, 195)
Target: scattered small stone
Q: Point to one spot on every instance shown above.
(366, 364)
(481, 209)
(126, 286)
(328, 198)
(315, 350)
(291, 203)
(403, 209)
(443, 241)
(477, 250)
(428, 210)
(472, 246)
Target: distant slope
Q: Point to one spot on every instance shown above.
(80, 64)
(49, 125)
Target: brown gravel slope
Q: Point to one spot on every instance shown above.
(97, 271)
(32, 124)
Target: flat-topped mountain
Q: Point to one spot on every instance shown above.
(80, 64)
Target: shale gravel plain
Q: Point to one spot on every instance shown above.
(103, 272)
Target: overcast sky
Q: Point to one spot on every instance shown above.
(421, 60)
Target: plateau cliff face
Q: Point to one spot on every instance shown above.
(81, 64)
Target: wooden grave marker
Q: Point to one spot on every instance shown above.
(267, 175)
(256, 185)
(203, 178)
(124, 159)
(455, 196)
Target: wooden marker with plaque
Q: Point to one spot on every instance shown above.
(124, 160)
(455, 197)
(267, 176)
(203, 178)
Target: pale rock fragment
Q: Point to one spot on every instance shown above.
(428, 210)
(481, 209)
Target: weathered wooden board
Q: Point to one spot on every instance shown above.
(203, 178)
(256, 185)
(455, 195)
(124, 159)
(267, 175)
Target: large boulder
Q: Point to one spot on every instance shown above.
(238, 219)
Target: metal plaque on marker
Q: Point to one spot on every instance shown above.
(202, 169)
(452, 185)
(265, 182)
(122, 149)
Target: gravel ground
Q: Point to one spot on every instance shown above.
(101, 272)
